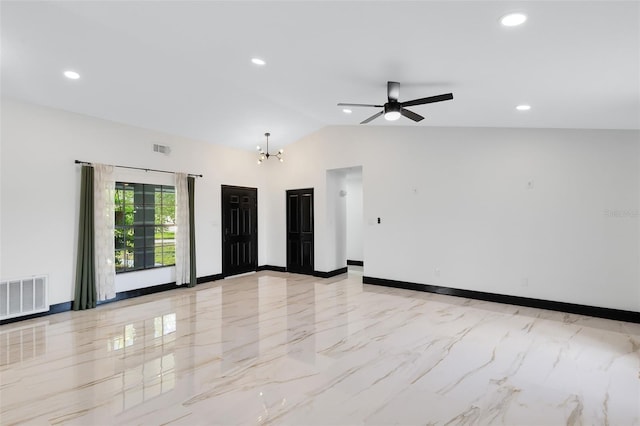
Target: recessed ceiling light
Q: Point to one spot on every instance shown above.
(523, 107)
(72, 75)
(346, 111)
(513, 19)
(258, 61)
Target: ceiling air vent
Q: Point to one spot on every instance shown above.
(162, 149)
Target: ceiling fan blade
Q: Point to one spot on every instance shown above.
(393, 91)
(361, 105)
(429, 100)
(373, 117)
(412, 115)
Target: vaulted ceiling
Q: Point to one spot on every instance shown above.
(184, 67)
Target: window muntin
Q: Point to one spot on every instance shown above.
(145, 225)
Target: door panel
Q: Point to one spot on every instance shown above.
(239, 230)
(300, 231)
(306, 213)
(293, 216)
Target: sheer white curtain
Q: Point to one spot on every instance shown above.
(104, 189)
(182, 230)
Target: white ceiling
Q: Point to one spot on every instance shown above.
(183, 67)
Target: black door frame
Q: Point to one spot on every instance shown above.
(223, 231)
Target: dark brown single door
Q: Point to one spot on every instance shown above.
(239, 230)
(300, 231)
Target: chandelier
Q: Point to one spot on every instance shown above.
(264, 155)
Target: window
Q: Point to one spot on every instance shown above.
(145, 226)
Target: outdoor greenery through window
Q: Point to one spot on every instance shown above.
(145, 226)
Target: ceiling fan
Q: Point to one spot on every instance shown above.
(393, 109)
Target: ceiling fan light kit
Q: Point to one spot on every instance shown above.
(264, 155)
(393, 109)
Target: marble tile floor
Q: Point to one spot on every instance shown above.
(278, 348)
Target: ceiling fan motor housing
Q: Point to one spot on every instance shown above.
(392, 110)
(392, 106)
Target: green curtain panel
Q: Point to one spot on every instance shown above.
(191, 185)
(86, 295)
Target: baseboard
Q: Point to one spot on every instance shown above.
(272, 268)
(330, 274)
(355, 262)
(67, 306)
(209, 278)
(60, 307)
(129, 294)
(319, 274)
(592, 311)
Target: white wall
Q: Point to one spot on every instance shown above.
(355, 218)
(458, 201)
(451, 200)
(40, 190)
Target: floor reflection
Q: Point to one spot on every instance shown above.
(145, 382)
(162, 326)
(301, 321)
(23, 343)
(147, 358)
(240, 331)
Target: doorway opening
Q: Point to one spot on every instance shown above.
(346, 218)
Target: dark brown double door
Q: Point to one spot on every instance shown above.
(239, 230)
(300, 231)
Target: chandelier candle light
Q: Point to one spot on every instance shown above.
(264, 155)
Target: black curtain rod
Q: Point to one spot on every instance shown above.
(138, 168)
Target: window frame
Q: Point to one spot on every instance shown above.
(141, 207)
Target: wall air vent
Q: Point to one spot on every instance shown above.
(162, 149)
(23, 296)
